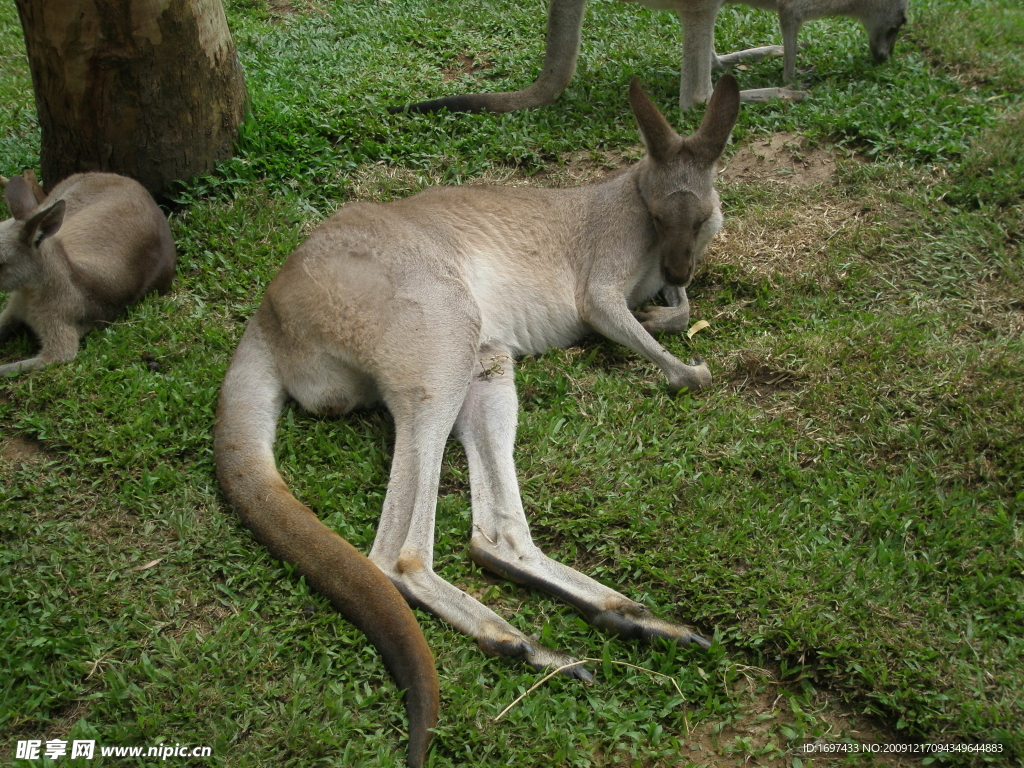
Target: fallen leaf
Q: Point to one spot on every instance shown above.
(148, 565)
(698, 326)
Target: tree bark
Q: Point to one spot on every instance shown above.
(151, 89)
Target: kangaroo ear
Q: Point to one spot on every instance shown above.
(33, 183)
(19, 198)
(659, 137)
(44, 224)
(708, 143)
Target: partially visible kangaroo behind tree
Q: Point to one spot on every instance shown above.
(75, 260)
(422, 304)
(882, 20)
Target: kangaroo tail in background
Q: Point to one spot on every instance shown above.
(250, 403)
(565, 25)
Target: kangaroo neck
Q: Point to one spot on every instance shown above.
(52, 263)
(616, 200)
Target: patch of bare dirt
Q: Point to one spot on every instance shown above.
(381, 181)
(20, 450)
(761, 377)
(279, 9)
(61, 722)
(202, 619)
(785, 158)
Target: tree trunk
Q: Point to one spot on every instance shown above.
(151, 89)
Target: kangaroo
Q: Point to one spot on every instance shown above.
(30, 178)
(422, 304)
(881, 18)
(76, 259)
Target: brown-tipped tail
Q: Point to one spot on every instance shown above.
(250, 403)
(529, 98)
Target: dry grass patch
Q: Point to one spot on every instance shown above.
(755, 735)
(381, 182)
(280, 9)
(786, 240)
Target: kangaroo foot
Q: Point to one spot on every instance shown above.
(668, 319)
(536, 655)
(761, 95)
(634, 622)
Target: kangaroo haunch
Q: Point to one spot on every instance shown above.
(422, 304)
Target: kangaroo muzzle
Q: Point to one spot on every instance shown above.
(677, 270)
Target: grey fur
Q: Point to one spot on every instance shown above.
(74, 261)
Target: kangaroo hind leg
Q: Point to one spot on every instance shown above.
(251, 399)
(424, 416)
(501, 540)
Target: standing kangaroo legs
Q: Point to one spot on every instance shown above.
(564, 34)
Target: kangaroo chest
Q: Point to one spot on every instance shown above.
(528, 306)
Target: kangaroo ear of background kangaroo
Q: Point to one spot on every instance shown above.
(882, 20)
(422, 305)
(75, 260)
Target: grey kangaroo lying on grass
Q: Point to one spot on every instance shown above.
(882, 20)
(76, 259)
(422, 304)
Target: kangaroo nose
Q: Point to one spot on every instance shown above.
(678, 274)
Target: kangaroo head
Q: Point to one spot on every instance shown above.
(883, 26)
(676, 179)
(21, 236)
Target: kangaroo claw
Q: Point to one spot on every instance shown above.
(637, 623)
(537, 656)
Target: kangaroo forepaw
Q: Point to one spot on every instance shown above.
(667, 319)
(536, 655)
(693, 376)
(637, 623)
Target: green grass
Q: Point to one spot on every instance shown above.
(841, 510)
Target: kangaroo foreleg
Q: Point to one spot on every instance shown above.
(501, 540)
(608, 314)
(59, 344)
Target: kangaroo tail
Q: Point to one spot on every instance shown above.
(565, 24)
(250, 403)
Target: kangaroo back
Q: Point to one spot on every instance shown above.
(116, 239)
